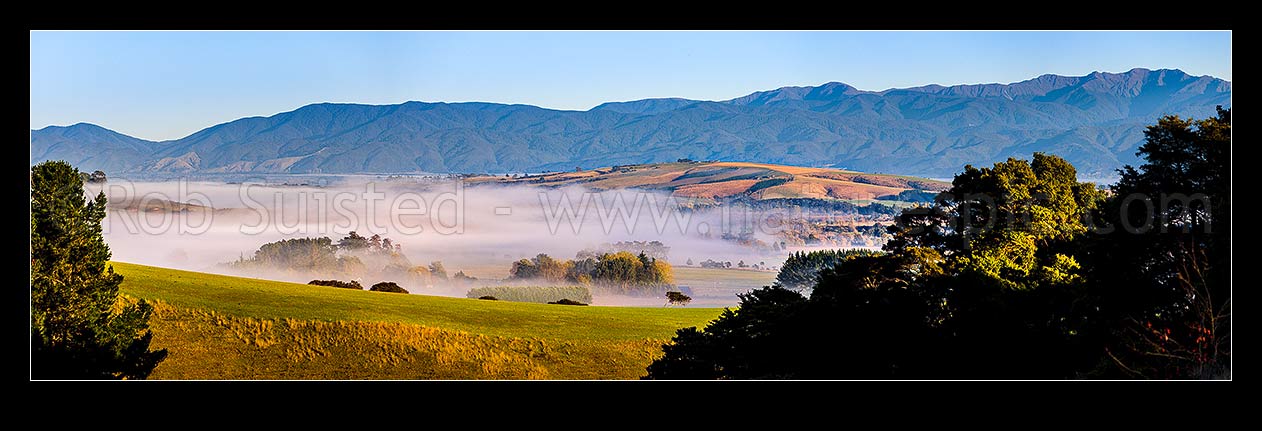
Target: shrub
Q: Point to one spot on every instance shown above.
(335, 283)
(488, 298)
(678, 298)
(387, 286)
(536, 294)
(564, 301)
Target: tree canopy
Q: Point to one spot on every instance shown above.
(1017, 271)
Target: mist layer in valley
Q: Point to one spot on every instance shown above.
(479, 230)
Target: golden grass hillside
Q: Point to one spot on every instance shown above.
(221, 327)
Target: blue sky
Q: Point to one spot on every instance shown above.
(166, 85)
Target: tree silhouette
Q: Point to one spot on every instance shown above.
(1007, 276)
(1169, 286)
(677, 298)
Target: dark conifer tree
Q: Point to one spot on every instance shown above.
(79, 327)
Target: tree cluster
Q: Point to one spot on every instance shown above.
(353, 256)
(1017, 271)
(354, 242)
(801, 269)
(620, 272)
(94, 177)
(653, 249)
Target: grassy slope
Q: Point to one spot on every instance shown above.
(692, 276)
(229, 327)
(713, 281)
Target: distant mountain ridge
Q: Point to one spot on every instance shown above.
(89, 147)
(1095, 121)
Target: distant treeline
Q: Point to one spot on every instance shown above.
(653, 249)
(94, 177)
(917, 196)
(727, 264)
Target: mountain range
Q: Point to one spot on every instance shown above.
(1094, 121)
